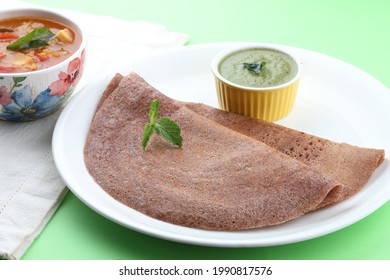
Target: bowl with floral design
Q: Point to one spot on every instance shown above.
(42, 58)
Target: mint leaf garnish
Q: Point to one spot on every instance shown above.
(153, 113)
(164, 126)
(254, 68)
(169, 130)
(39, 37)
(148, 131)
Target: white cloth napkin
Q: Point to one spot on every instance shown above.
(30, 187)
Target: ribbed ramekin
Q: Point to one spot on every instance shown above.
(266, 103)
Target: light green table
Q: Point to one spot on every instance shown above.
(353, 31)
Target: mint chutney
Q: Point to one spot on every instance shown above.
(279, 67)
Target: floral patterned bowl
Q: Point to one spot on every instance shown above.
(32, 95)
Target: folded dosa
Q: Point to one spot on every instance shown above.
(220, 179)
(350, 165)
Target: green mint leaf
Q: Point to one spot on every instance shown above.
(169, 130)
(148, 131)
(254, 68)
(153, 113)
(39, 37)
(163, 126)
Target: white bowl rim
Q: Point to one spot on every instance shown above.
(246, 46)
(62, 19)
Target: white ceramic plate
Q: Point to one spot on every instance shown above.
(335, 100)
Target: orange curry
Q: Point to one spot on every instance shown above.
(30, 44)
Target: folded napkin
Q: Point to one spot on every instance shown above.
(30, 187)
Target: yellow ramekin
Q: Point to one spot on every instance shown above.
(266, 103)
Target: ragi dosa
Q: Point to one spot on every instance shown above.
(220, 179)
(350, 165)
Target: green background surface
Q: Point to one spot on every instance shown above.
(354, 31)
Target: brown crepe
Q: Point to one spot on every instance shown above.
(350, 165)
(220, 179)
